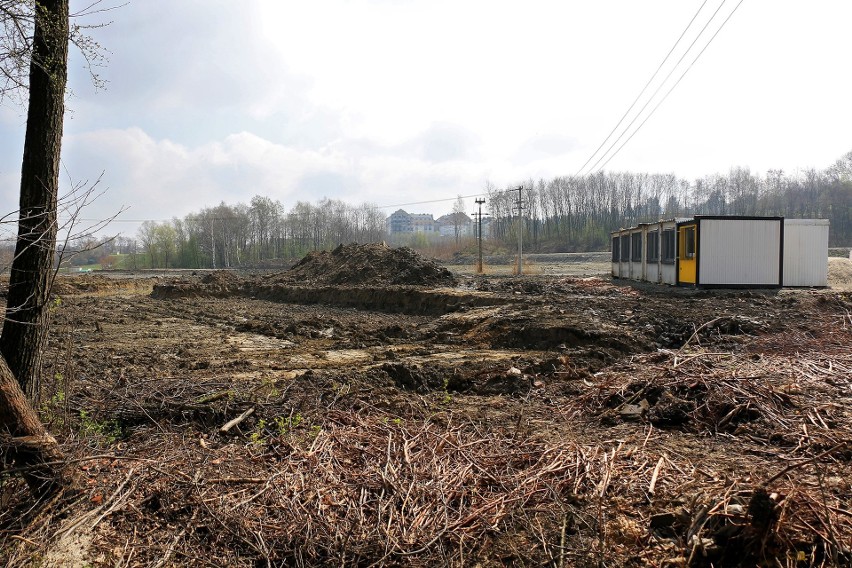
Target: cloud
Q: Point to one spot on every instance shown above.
(393, 102)
(543, 146)
(326, 184)
(159, 178)
(443, 142)
(197, 74)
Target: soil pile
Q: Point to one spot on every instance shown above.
(840, 273)
(98, 283)
(315, 279)
(219, 284)
(375, 264)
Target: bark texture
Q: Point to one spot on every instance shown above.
(24, 438)
(25, 327)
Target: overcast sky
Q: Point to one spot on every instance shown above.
(400, 101)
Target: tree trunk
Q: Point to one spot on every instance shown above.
(25, 326)
(24, 438)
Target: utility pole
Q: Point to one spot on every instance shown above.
(520, 231)
(213, 240)
(479, 202)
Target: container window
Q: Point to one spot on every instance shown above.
(653, 246)
(636, 247)
(615, 254)
(668, 246)
(688, 251)
(625, 248)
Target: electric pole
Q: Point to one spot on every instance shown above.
(479, 202)
(520, 231)
(213, 241)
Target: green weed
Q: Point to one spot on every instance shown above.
(107, 432)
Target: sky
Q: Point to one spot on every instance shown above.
(396, 102)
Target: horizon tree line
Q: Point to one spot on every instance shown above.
(566, 214)
(252, 234)
(562, 214)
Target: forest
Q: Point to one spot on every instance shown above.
(568, 214)
(563, 214)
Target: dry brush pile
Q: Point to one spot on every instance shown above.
(786, 402)
(733, 449)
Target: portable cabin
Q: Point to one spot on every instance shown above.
(806, 252)
(730, 252)
(724, 252)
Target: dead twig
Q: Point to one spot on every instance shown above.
(230, 424)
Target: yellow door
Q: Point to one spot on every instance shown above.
(687, 244)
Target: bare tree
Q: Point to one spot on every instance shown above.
(24, 330)
(147, 234)
(25, 327)
(25, 439)
(459, 217)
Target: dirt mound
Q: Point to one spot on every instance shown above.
(224, 281)
(375, 264)
(840, 273)
(98, 283)
(219, 284)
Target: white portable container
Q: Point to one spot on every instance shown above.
(718, 251)
(806, 252)
(738, 251)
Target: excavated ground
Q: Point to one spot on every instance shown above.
(487, 421)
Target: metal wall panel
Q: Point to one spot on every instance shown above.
(636, 272)
(805, 252)
(739, 252)
(669, 274)
(616, 254)
(652, 272)
(624, 265)
(668, 270)
(620, 268)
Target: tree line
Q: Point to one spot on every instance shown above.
(256, 233)
(562, 214)
(577, 213)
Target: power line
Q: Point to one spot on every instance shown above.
(432, 201)
(480, 194)
(663, 62)
(660, 86)
(673, 86)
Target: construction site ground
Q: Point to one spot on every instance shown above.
(371, 409)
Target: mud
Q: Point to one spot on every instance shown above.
(719, 383)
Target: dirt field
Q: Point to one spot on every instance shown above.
(472, 421)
